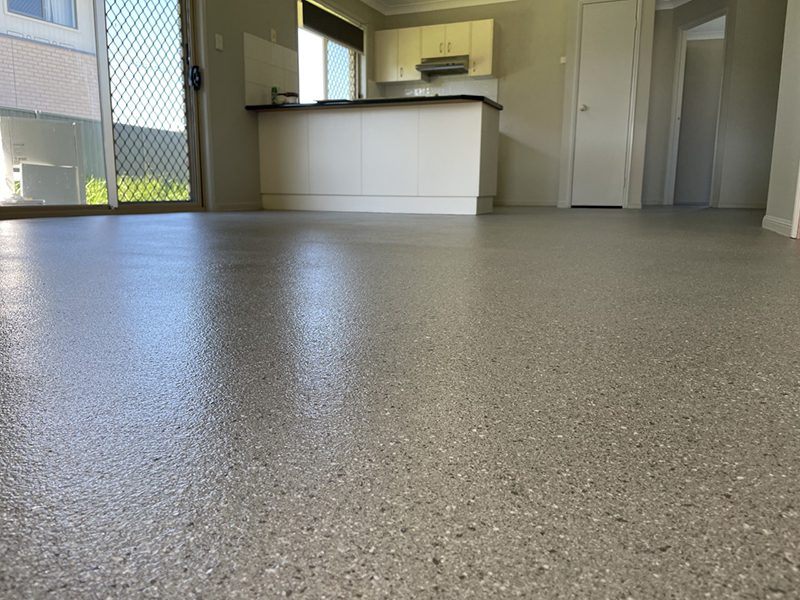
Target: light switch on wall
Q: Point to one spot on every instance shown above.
(219, 42)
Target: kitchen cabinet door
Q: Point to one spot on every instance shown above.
(410, 54)
(433, 42)
(482, 48)
(457, 39)
(386, 55)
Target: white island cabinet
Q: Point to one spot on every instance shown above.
(434, 155)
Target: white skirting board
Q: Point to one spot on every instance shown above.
(781, 226)
(422, 205)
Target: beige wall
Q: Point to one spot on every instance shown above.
(531, 41)
(783, 210)
(749, 97)
(230, 146)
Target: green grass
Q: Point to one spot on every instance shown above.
(96, 191)
(138, 189)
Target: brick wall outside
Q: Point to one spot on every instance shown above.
(41, 77)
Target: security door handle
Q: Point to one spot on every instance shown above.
(195, 77)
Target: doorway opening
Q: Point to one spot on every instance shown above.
(696, 122)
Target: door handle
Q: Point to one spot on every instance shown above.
(195, 77)
(583, 108)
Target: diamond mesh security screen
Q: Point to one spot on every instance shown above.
(148, 99)
(341, 63)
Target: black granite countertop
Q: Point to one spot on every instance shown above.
(323, 104)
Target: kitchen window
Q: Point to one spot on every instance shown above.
(59, 12)
(330, 53)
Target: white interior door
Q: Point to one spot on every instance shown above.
(607, 47)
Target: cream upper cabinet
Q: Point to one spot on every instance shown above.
(482, 48)
(409, 54)
(457, 39)
(433, 41)
(386, 55)
(452, 39)
(397, 52)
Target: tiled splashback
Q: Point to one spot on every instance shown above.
(443, 86)
(267, 65)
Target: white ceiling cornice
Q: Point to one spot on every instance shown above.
(403, 7)
(670, 4)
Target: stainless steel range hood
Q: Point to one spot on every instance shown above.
(449, 65)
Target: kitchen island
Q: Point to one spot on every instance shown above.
(429, 155)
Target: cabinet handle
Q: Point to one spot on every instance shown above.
(441, 47)
(401, 72)
(449, 46)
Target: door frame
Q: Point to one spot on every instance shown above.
(194, 50)
(670, 181)
(572, 102)
(795, 232)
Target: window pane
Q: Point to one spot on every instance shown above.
(61, 12)
(311, 57)
(341, 84)
(31, 8)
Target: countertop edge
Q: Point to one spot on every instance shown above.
(377, 102)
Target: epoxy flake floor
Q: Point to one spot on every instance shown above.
(536, 403)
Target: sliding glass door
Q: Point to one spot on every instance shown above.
(96, 106)
(51, 140)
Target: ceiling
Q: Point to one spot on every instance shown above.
(712, 30)
(399, 7)
(669, 4)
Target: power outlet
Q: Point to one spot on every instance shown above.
(219, 42)
(273, 36)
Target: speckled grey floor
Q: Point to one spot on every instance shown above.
(543, 404)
